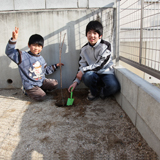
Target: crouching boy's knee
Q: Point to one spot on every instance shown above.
(49, 84)
(36, 93)
(40, 97)
(54, 83)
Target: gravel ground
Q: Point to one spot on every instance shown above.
(97, 130)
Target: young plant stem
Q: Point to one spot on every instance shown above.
(60, 52)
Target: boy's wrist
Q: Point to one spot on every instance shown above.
(13, 40)
(75, 82)
(54, 66)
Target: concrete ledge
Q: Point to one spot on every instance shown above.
(141, 102)
(56, 4)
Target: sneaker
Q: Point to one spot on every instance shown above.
(24, 92)
(91, 97)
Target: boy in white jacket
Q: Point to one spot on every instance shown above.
(96, 66)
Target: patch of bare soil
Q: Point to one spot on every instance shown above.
(98, 130)
(62, 96)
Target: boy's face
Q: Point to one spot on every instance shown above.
(35, 48)
(93, 37)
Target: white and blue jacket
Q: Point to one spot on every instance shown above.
(32, 67)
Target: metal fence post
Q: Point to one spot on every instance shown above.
(117, 30)
(141, 32)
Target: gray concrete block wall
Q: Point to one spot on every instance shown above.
(101, 3)
(34, 4)
(83, 4)
(61, 4)
(150, 111)
(53, 4)
(6, 5)
(141, 102)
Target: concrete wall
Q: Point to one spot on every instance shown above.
(49, 23)
(48, 4)
(141, 102)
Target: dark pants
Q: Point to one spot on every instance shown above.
(38, 93)
(108, 83)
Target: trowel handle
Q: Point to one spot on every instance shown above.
(71, 92)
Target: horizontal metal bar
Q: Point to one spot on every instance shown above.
(129, 54)
(142, 47)
(130, 14)
(140, 8)
(141, 67)
(144, 28)
(147, 59)
(130, 22)
(128, 7)
(124, 2)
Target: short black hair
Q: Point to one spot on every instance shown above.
(96, 26)
(36, 39)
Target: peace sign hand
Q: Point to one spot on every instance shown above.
(15, 34)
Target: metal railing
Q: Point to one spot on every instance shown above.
(138, 34)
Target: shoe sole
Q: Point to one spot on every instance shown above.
(92, 99)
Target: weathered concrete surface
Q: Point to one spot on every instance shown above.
(41, 131)
(141, 102)
(46, 4)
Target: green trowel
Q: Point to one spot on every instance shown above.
(70, 100)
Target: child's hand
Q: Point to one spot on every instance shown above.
(60, 64)
(15, 34)
(72, 86)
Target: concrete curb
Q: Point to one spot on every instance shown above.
(141, 102)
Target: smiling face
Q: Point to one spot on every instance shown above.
(93, 37)
(35, 48)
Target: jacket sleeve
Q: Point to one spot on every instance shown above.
(50, 69)
(82, 63)
(103, 59)
(12, 53)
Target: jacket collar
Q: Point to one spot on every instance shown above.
(36, 55)
(98, 42)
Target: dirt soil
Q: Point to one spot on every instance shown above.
(98, 130)
(62, 95)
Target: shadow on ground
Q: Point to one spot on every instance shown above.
(85, 131)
